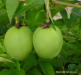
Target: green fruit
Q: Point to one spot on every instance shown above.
(18, 42)
(47, 42)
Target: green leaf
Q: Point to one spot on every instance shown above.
(11, 72)
(80, 25)
(35, 71)
(74, 16)
(7, 72)
(79, 73)
(11, 6)
(3, 25)
(29, 5)
(29, 63)
(36, 18)
(64, 15)
(47, 69)
(2, 48)
(55, 9)
(3, 16)
(69, 1)
(21, 72)
(71, 66)
(79, 67)
(35, 2)
(5, 60)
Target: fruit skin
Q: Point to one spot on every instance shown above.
(48, 42)
(18, 42)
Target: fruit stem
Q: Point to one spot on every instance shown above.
(24, 15)
(47, 10)
(46, 25)
(18, 25)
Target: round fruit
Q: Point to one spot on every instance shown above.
(18, 42)
(48, 42)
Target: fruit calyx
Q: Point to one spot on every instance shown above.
(47, 25)
(19, 25)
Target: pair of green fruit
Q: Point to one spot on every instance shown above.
(19, 42)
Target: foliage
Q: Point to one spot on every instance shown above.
(33, 14)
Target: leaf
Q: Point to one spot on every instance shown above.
(11, 72)
(2, 48)
(30, 62)
(11, 6)
(64, 15)
(79, 67)
(79, 73)
(69, 1)
(7, 72)
(5, 60)
(56, 9)
(71, 66)
(74, 16)
(80, 25)
(35, 2)
(47, 69)
(21, 72)
(57, 63)
(36, 18)
(35, 71)
(29, 5)
(3, 16)
(3, 26)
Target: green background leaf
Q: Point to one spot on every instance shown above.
(11, 6)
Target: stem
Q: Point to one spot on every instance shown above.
(24, 14)
(18, 65)
(17, 22)
(16, 19)
(48, 14)
(47, 10)
(24, 19)
(21, 0)
(46, 25)
(68, 4)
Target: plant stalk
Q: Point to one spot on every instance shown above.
(67, 4)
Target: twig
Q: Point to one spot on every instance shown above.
(21, 0)
(68, 4)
